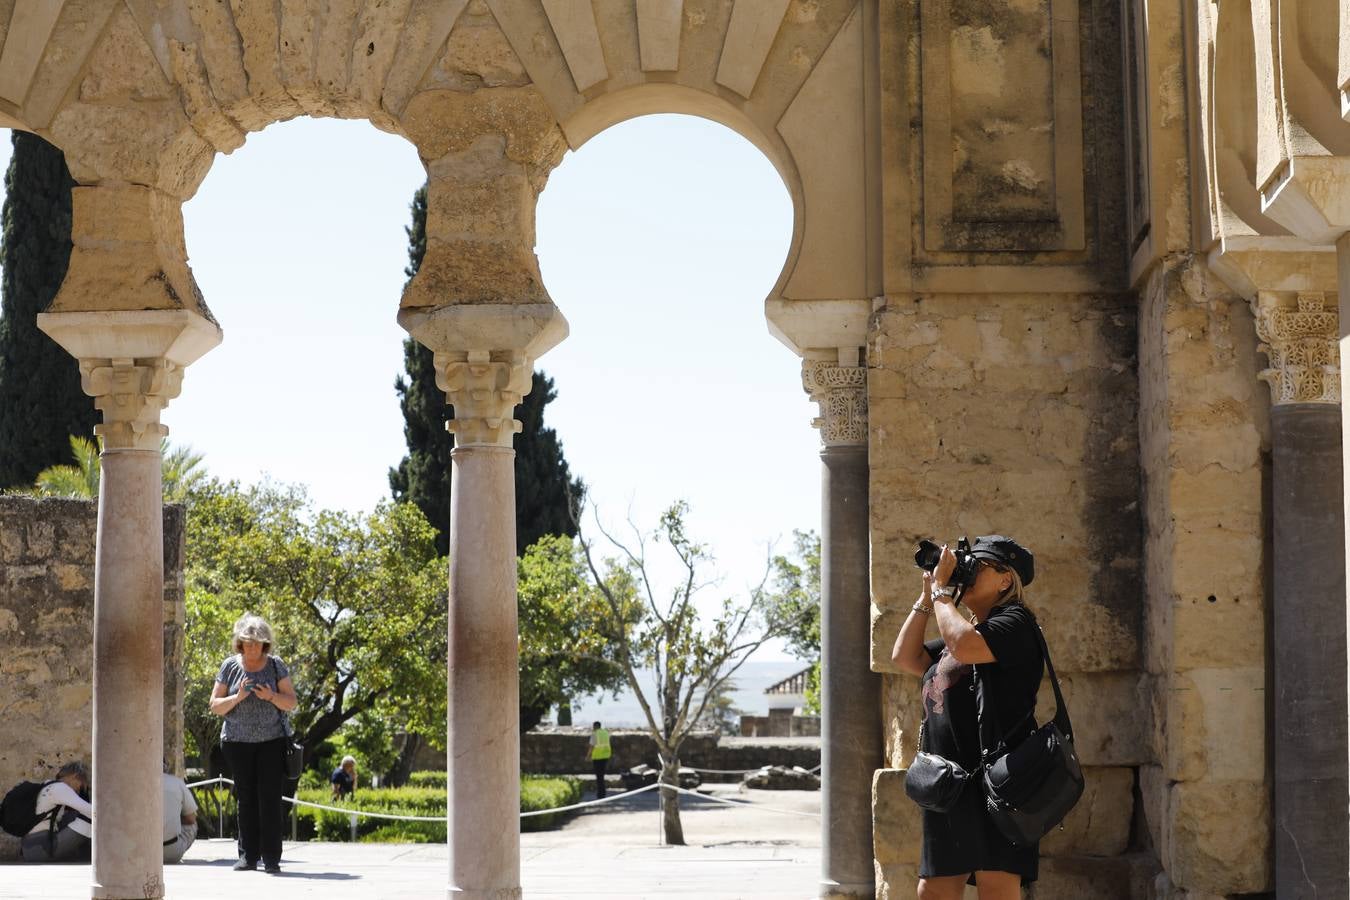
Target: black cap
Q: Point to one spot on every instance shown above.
(1007, 551)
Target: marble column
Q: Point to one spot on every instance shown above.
(851, 746)
(483, 740)
(482, 668)
(1312, 845)
(132, 364)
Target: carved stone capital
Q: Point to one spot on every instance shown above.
(484, 356)
(841, 394)
(131, 393)
(132, 364)
(1300, 336)
(484, 388)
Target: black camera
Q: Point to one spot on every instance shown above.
(967, 566)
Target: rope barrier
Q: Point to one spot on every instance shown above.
(813, 770)
(540, 812)
(375, 815)
(788, 812)
(537, 812)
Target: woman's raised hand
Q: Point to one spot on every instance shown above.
(945, 567)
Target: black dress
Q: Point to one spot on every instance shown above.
(964, 840)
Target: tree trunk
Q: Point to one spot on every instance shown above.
(670, 802)
(398, 775)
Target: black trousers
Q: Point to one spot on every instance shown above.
(259, 772)
(599, 765)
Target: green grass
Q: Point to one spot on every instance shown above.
(423, 796)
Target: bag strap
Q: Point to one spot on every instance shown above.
(991, 740)
(285, 720)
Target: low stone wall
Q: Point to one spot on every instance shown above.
(780, 726)
(566, 751)
(47, 625)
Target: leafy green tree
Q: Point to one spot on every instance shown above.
(357, 602)
(180, 472)
(543, 479)
(796, 596)
(690, 661)
(562, 646)
(207, 630)
(41, 403)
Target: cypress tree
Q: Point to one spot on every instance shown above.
(41, 403)
(543, 479)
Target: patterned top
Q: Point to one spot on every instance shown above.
(254, 720)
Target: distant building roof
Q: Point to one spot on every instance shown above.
(793, 684)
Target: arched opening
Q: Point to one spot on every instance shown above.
(659, 240)
(297, 241)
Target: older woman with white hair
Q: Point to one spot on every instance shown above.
(254, 693)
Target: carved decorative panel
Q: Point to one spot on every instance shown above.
(1002, 126)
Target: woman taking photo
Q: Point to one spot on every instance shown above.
(254, 693)
(997, 634)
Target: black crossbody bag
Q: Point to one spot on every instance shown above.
(1029, 789)
(294, 753)
(934, 782)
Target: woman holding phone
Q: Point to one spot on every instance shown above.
(253, 693)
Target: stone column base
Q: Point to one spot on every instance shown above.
(833, 890)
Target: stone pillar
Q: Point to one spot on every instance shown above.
(132, 364)
(1343, 348)
(1312, 844)
(484, 358)
(850, 692)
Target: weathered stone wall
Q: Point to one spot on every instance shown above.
(565, 751)
(780, 726)
(1017, 415)
(46, 622)
(1204, 435)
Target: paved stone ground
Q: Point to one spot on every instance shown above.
(612, 852)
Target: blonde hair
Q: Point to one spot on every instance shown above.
(1015, 592)
(252, 628)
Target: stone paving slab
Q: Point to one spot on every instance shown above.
(613, 852)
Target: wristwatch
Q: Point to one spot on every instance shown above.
(943, 592)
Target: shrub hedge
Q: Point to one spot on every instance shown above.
(421, 797)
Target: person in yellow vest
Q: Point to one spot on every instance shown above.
(600, 754)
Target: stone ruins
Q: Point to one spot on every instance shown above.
(1044, 255)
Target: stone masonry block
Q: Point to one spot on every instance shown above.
(1110, 713)
(1215, 725)
(1219, 840)
(1083, 877)
(1154, 793)
(1100, 824)
(897, 823)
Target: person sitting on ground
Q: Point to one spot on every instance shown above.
(344, 778)
(180, 817)
(63, 829)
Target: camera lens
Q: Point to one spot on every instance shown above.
(927, 556)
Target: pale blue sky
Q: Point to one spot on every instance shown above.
(658, 240)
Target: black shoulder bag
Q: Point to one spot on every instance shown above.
(934, 782)
(1031, 788)
(294, 753)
